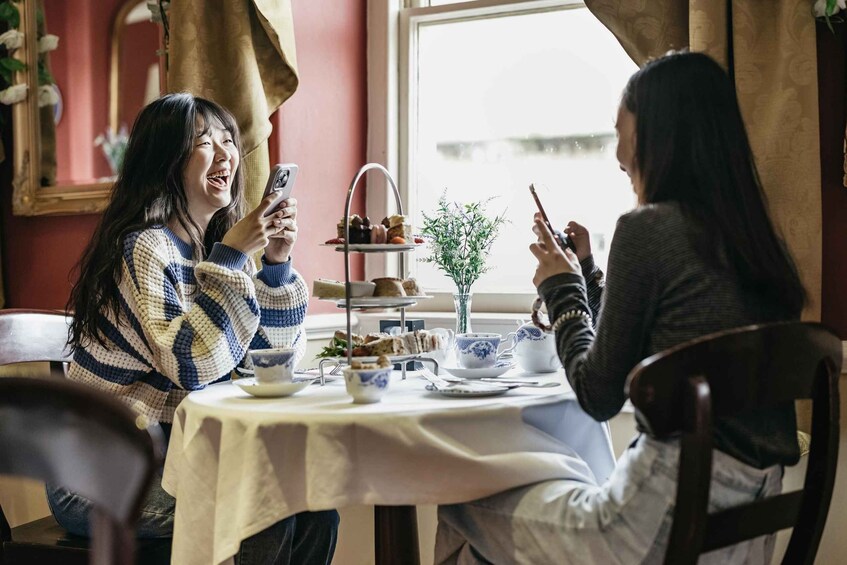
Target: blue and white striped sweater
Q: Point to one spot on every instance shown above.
(186, 324)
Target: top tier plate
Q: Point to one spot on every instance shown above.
(374, 247)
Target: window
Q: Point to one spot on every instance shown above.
(495, 95)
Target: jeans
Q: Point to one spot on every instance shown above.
(625, 520)
(307, 537)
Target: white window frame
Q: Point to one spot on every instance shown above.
(391, 52)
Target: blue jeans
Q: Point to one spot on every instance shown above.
(627, 519)
(308, 537)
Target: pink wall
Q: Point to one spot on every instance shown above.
(322, 128)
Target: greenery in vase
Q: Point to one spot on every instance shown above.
(460, 238)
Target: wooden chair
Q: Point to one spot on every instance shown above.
(72, 435)
(35, 335)
(686, 388)
(41, 335)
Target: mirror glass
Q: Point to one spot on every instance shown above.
(105, 69)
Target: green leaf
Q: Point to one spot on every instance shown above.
(44, 76)
(12, 64)
(6, 74)
(10, 13)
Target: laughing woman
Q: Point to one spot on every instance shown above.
(169, 301)
(698, 255)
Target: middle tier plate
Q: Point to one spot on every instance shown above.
(378, 301)
(374, 247)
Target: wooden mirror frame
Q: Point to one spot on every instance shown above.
(29, 198)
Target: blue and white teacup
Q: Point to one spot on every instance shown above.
(478, 350)
(273, 365)
(367, 386)
(535, 350)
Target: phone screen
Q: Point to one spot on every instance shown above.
(281, 182)
(562, 239)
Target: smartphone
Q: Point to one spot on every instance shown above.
(280, 181)
(562, 239)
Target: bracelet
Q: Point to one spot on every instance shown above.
(570, 315)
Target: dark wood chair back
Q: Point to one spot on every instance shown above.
(35, 335)
(686, 388)
(71, 435)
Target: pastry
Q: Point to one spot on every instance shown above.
(342, 335)
(401, 230)
(411, 287)
(327, 288)
(388, 345)
(378, 234)
(389, 286)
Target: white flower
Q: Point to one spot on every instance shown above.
(13, 94)
(819, 8)
(48, 43)
(47, 95)
(12, 39)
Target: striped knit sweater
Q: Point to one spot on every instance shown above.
(659, 292)
(185, 324)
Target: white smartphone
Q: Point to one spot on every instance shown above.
(281, 182)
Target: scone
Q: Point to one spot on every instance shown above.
(411, 287)
(389, 286)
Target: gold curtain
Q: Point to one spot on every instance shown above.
(774, 63)
(241, 54)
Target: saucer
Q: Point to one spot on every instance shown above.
(484, 373)
(271, 390)
(465, 391)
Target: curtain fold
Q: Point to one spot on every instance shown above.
(241, 54)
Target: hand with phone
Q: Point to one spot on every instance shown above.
(284, 210)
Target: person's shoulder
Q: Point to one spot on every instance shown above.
(654, 215)
(152, 239)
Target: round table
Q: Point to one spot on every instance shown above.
(238, 464)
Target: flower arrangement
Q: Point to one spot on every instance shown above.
(114, 146)
(827, 9)
(13, 39)
(460, 236)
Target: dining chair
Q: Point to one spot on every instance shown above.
(72, 435)
(683, 390)
(35, 335)
(41, 335)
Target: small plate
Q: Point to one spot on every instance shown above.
(373, 359)
(366, 247)
(486, 373)
(271, 390)
(379, 301)
(466, 391)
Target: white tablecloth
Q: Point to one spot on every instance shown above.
(238, 464)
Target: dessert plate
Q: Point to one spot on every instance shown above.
(484, 373)
(271, 390)
(365, 247)
(465, 391)
(380, 301)
(372, 358)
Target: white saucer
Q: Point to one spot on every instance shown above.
(271, 390)
(485, 373)
(465, 391)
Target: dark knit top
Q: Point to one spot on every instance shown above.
(660, 292)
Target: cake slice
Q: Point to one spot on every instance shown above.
(327, 288)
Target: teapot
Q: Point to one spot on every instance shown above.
(535, 349)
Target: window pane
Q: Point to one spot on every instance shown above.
(507, 101)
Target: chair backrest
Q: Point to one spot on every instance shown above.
(685, 388)
(78, 437)
(35, 335)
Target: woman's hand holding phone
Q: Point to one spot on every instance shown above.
(254, 231)
(552, 259)
(581, 239)
(278, 249)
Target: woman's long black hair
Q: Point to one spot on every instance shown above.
(692, 148)
(149, 191)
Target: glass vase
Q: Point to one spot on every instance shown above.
(462, 305)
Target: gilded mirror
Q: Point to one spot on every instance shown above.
(67, 153)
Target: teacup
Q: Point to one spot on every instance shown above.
(535, 350)
(478, 350)
(273, 365)
(367, 386)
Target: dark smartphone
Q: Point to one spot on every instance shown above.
(562, 239)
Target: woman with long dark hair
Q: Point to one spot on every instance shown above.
(168, 299)
(698, 255)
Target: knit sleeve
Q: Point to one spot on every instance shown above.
(200, 344)
(597, 365)
(283, 297)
